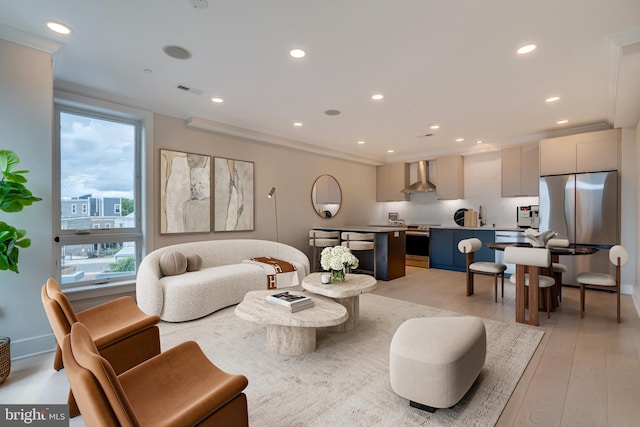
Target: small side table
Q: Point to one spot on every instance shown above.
(346, 293)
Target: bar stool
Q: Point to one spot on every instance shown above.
(533, 258)
(320, 239)
(361, 242)
(618, 256)
(468, 247)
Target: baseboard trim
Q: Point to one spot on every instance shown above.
(32, 346)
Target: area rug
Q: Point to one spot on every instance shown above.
(345, 382)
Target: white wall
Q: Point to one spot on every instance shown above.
(292, 172)
(482, 186)
(636, 289)
(26, 109)
(628, 203)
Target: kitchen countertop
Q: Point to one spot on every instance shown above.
(497, 228)
(363, 228)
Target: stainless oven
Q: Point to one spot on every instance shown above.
(418, 239)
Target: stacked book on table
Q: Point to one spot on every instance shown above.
(289, 301)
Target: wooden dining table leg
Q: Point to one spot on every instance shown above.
(534, 295)
(520, 291)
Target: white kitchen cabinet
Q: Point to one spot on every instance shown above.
(450, 177)
(584, 152)
(390, 179)
(520, 171)
(327, 190)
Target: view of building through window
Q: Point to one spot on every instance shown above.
(98, 224)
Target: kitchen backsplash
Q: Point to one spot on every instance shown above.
(482, 186)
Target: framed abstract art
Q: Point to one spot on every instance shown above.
(233, 195)
(185, 192)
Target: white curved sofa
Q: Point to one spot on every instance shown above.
(222, 281)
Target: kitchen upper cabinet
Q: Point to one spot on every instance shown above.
(450, 177)
(391, 178)
(585, 152)
(520, 171)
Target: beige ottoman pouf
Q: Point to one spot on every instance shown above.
(433, 361)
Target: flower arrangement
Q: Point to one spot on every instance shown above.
(336, 259)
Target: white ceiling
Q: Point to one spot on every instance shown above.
(447, 62)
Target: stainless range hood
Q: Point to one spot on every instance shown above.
(423, 185)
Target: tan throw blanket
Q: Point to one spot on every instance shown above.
(280, 274)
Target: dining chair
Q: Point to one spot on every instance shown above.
(320, 239)
(532, 259)
(178, 387)
(468, 247)
(361, 242)
(618, 256)
(558, 269)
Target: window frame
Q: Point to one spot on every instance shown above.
(104, 235)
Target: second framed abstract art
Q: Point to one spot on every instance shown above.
(233, 195)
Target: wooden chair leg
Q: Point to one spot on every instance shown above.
(581, 300)
(548, 292)
(502, 278)
(618, 298)
(495, 287)
(57, 361)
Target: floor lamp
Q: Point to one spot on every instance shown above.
(272, 195)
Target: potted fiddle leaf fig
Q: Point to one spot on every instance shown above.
(14, 196)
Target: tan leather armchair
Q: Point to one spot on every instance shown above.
(179, 387)
(124, 334)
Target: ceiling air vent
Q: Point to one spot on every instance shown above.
(190, 89)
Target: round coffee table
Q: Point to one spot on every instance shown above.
(290, 333)
(346, 293)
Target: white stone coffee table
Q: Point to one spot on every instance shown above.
(345, 293)
(290, 333)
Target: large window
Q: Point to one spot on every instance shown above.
(99, 169)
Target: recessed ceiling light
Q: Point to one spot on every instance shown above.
(297, 124)
(562, 122)
(478, 142)
(552, 99)
(217, 100)
(360, 142)
(434, 127)
(390, 151)
(526, 49)
(297, 53)
(377, 96)
(58, 28)
(459, 139)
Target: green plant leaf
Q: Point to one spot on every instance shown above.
(14, 196)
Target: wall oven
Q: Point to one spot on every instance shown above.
(418, 239)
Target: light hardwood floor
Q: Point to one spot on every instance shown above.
(585, 372)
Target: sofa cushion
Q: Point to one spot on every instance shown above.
(173, 263)
(194, 262)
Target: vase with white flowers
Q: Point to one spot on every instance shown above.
(337, 259)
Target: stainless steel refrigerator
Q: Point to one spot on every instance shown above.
(583, 208)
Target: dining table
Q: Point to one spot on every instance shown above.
(555, 252)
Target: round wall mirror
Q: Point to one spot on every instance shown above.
(326, 196)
